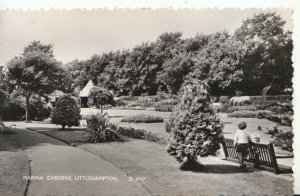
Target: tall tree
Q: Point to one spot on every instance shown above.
(267, 64)
(35, 72)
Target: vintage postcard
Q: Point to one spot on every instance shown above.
(147, 101)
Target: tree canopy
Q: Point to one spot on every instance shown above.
(257, 54)
(36, 71)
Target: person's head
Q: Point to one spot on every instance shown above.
(242, 125)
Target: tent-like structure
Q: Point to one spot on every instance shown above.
(84, 93)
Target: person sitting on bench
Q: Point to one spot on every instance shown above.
(241, 142)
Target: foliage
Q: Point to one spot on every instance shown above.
(194, 127)
(142, 118)
(164, 108)
(39, 108)
(284, 119)
(10, 109)
(66, 112)
(231, 65)
(99, 97)
(238, 101)
(35, 72)
(3, 102)
(284, 140)
(165, 105)
(243, 108)
(267, 64)
(99, 129)
(141, 134)
(120, 102)
(249, 114)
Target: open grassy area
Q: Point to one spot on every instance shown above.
(230, 125)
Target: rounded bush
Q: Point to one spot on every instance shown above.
(66, 112)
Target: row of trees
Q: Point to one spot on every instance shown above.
(255, 60)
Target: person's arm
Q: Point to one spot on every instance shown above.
(235, 139)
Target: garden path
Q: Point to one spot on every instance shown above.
(53, 163)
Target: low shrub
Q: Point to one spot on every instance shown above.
(249, 114)
(142, 118)
(224, 100)
(164, 108)
(238, 101)
(141, 134)
(219, 107)
(168, 102)
(120, 102)
(276, 98)
(280, 108)
(284, 119)
(132, 108)
(242, 108)
(99, 129)
(284, 140)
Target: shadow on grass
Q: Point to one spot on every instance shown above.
(17, 139)
(213, 168)
(7, 132)
(56, 129)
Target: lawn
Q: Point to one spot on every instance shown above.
(230, 125)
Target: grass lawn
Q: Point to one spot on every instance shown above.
(230, 125)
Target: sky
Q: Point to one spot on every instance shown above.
(78, 34)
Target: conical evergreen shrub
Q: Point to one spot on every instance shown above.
(66, 112)
(194, 127)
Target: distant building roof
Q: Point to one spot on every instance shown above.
(86, 90)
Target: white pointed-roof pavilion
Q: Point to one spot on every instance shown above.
(86, 90)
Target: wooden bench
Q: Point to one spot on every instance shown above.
(260, 156)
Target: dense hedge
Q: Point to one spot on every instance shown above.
(249, 114)
(142, 118)
(259, 100)
(278, 98)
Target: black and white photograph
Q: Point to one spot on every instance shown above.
(147, 101)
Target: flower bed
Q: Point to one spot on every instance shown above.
(141, 134)
(249, 114)
(142, 118)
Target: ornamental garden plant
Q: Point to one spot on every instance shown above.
(66, 112)
(194, 127)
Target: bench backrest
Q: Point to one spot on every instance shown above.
(260, 155)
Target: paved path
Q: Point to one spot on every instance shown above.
(52, 161)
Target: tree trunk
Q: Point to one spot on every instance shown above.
(27, 108)
(101, 109)
(63, 127)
